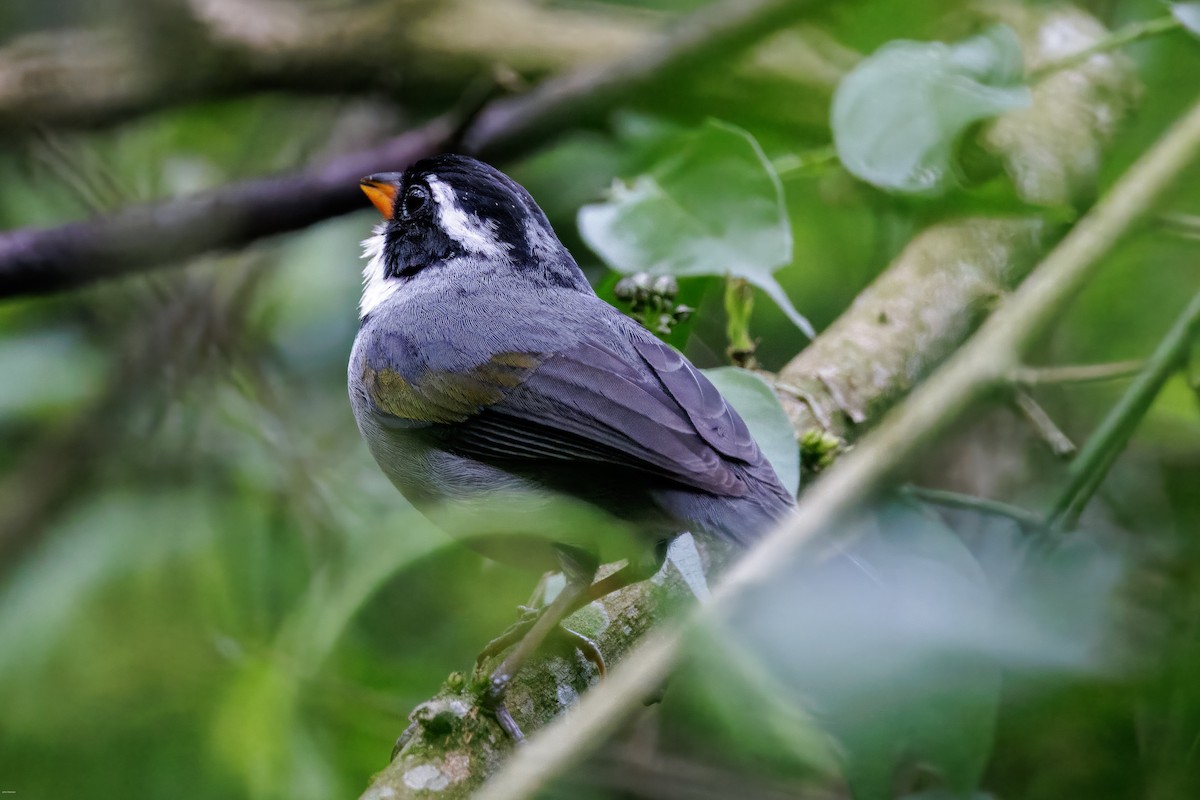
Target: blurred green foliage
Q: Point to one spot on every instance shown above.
(899, 116)
(216, 594)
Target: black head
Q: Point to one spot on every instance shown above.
(450, 206)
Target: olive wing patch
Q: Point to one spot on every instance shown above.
(446, 397)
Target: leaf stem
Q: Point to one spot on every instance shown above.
(1058, 442)
(739, 302)
(1101, 450)
(793, 164)
(1133, 32)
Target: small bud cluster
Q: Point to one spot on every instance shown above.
(818, 449)
(651, 300)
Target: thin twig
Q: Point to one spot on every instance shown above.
(1186, 226)
(169, 232)
(1088, 471)
(973, 372)
(1081, 373)
(1047, 429)
(969, 502)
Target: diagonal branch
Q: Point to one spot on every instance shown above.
(37, 261)
(420, 50)
(168, 233)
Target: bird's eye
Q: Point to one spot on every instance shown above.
(415, 201)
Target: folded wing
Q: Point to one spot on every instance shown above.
(642, 406)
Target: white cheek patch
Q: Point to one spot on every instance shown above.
(377, 286)
(473, 234)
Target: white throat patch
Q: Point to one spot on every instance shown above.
(473, 234)
(377, 286)
(470, 232)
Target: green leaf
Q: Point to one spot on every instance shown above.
(724, 699)
(899, 115)
(754, 399)
(1188, 15)
(895, 640)
(713, 207)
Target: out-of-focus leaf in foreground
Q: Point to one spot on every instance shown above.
(258, 730)
(894, 645)
(898, 116)
(713, 207)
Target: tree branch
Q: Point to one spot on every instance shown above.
(169, 232)
(36, 261)
(421, 50)
(1043, 424)
(948, 277)
(912, 317)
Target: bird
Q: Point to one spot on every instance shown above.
(486, 368)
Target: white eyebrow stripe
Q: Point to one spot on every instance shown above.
(377, 287)
(472, 233)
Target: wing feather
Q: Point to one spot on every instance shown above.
(642, 406)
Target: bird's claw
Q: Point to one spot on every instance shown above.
(586, 647)
(511, 636)
(510, 726)
(493, 702)
(402, 740)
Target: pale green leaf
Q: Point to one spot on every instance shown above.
(899, 115)
(713, 207)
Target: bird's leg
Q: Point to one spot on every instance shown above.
(612, 582)
(579, 568)
(512, 634)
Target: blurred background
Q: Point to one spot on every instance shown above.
(208, 589)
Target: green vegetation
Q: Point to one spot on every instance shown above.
(209, 590)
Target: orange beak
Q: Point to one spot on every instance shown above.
(381, 189)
